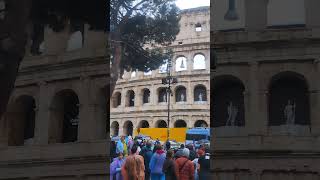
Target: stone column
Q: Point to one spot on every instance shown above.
(312, 13)
(138, 97)
(315, 123)
(190, 93)
(87, 120)
(256, 14)
(153, 95)
(42, 121)
(123, 97)
(254, 117)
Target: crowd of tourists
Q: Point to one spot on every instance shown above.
(145, 160)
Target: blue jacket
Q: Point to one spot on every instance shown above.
(119, 147)
(157, 161)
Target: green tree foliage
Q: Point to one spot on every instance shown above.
(140, 28)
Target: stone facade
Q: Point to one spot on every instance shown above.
(268, 63)
(192, 112)
(46, 86)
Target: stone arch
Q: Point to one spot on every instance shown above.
(199, 61)
(114, 128)
(64, 117)
(228, 101)
(116, 99)
(200, 123)
(181, 94)
(21, 119)
(143, 124)
(161, 124)
(130, 98)
(162, 94)
(180, 123)
(128, 128)
(146, 96)
(181, 63)
(288, 99)
(200, 93)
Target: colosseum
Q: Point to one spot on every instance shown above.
(266, 78)
(139, 98)
(55, 124)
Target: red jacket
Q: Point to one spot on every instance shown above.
(185, 168)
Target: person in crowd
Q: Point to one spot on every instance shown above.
(196, 165)
(133, 168)
(170, 167)
(146, 152)
(113, 149)
(168, 145)
(157, 141)
(193, 153)
(130, 143)
(115, 167)
(120, 145)
(156, 164)
(204, 165)
(185, 166)
(179, 151)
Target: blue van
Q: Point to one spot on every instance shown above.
(194, 135)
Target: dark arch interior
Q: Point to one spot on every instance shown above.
(115, 128)
(227, 93)
(66, 111)
(162, 95)
(22, 121)
(200, 93)
(131, 98)
(128, 126)
(162, 124)
(146, 96)
(117, 99)
(288, 88)
(180, 124)
(143, 124)
(181, 94)
(200, 123)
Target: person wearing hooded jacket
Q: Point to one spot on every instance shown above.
(185, 166)
(156, 164)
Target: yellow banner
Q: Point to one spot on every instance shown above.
(177, 134)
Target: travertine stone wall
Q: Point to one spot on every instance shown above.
(84, 71)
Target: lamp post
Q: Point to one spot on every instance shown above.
(168, 80)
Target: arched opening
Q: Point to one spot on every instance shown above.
(200, 123)
(130, 98)
(228, 102)
(199, 62)
(181, 94)
(64, 117)
(180, 124)
(200, 93)
(116, 100)
(161, 124)
(21, 120)
(146, 96)
(114, 128)
(198, 27)
(143, 124)
(181, 63)
(162, 95)
(288, 100)
(128, 128)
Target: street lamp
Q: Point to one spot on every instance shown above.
(168, 80)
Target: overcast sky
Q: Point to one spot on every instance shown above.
(186, 4)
